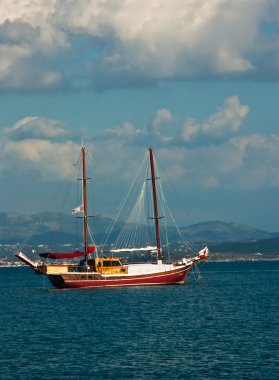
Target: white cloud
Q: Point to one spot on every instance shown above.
(127, 130)
(217, 127)
(240, 163)
(29, 45)
(37, 145)
(161, 121)
(50, 160)
(164, 131)
(58, 43)
(33, 15)
(237, 161)
(215, 153)
(154, 134)
(260, 162)
(36, 127)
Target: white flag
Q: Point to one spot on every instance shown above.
(78, 209)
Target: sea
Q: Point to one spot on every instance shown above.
(220, 325)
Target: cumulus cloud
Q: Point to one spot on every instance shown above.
(260, 162)
(49, 160)
(241, 163)
(29, 46)
(36, 127)
(163, 119)
(217, 127)
(163, 129)
(37, 144)
(125, 131)
(17, 32)
(214, 153)
(81, 43)
(155, 133)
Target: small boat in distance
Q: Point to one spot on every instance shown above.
(109, 271)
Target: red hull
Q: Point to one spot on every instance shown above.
(172, 278)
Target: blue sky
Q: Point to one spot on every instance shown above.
(197, 80)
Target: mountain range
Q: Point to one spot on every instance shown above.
(54, 228)
(15, 227)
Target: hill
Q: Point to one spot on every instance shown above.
(62, 228)
(226, 240)
(217, 231)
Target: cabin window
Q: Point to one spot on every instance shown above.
(115, 263)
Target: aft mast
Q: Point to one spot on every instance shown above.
(155, 205)
(84, 195)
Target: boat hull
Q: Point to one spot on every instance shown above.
(94, 280)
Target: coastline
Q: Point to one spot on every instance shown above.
(18, 264)
(243, 260)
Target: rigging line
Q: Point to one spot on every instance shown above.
(175, 224)
(129, 231)
(197, 272)
(133, 231)
(180, 233)
(163, 205)
(90, 235)
(89, 194)
(137, 212)
(77, 233)
(66, 183)
(124, 201)
(78, 200)
(30, 234)
(64, 190)
(177, 194)
(78, 190)
(148, 207)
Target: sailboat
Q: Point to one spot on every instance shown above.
(93, 271)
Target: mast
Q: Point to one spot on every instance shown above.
(84, 195)
(155, 205)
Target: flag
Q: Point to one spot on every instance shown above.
(78, 209)
(203, 253)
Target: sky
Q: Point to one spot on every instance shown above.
(195, 79)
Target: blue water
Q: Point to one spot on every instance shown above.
(223, 327)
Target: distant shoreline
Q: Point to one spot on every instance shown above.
(214, 260)
(243, 260)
